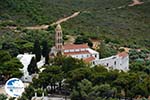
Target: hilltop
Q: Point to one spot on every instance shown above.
(127, 26)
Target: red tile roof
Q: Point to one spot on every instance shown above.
(89, 59)
(75, 46)
(76, 53)
(122, 54)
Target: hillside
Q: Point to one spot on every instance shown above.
(127, 26)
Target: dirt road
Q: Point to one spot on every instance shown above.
(46, 26)
(39, 27)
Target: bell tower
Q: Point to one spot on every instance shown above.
(59, 39)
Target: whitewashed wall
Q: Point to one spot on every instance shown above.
(80, 56)
(114, 62)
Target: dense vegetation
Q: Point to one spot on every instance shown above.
(3, 97)
(9, 67)
(22, 42)
(72, 77)
(68, 76)
(127, 26)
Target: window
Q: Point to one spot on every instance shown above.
(58, 34)
(82, 56)
(107, 64)
(93, 63)
(95, 56)
(115, 63)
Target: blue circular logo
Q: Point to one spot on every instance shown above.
(14, 87)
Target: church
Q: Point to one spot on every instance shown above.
(79, 51)
(119, 61)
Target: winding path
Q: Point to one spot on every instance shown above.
(134, 3)
(55, 23)
(46, 26)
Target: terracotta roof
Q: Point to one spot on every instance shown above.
(76, 53)
(75, 46)
(89, 59)
(122, 54)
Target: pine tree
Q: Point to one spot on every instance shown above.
(32, 67)
(37, 50)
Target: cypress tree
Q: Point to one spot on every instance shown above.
(32, 67)
(45, 49)
(37, 50)
(47, 59)
(45, 52)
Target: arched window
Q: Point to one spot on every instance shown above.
(115, 63)
(107, 64)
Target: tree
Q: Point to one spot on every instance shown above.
(86, 91)
(106, 50)
(11, 47)
(104, 91)
(47, 59)
(3, 97)
(83, 39)
(101, 75)
(45, 52)
(28, 94)
(37, 50)
(77, 75)
(140, 89)
(27, 47)
(32, 67)
(99, 69)
(84, 88)
(4, 56)
(69, 63)
(137, 66)
(51, 76)
(9, 67)
(12, 68)
(45, 49)
(125, 81)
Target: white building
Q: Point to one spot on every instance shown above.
(82, 51)
(119, 61)
(25, 59)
